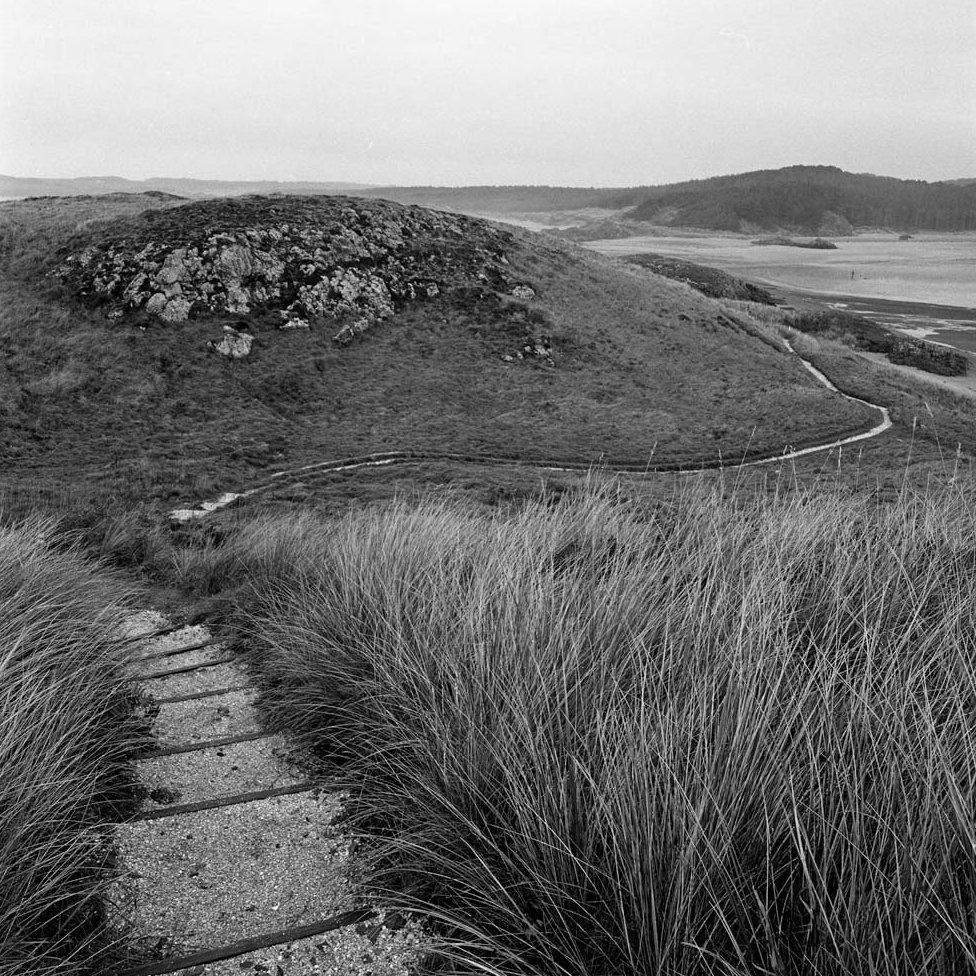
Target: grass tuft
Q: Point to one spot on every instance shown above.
(66, 737)
(707, 737)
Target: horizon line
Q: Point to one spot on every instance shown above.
(461, 186)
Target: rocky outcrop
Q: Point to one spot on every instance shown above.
(308, 260)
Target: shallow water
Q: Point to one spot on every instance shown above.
(937, 269)
(925, 287)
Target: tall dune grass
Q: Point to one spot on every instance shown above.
(65, 738)
(712, 737)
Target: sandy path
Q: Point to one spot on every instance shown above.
(234, 861)
(403, 457)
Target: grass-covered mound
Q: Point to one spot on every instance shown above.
(66, 736)
(632, 367)
(709, 281)
(710, 737)
(861, 333)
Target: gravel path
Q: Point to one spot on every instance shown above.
(234, 861)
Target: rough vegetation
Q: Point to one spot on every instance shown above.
(66, 737)
(306, 259)
(707, 737)
(709, 281)
(861, 333)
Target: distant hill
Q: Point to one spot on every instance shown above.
(375, 328)
(810, 200)
(511, 199)
(821, 200)
(17, 187)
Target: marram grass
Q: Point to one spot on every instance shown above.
(715, 737)
(65, 738)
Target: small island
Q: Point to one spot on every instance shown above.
(818, 243)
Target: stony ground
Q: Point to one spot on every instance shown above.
(300, 259)
(234, 862)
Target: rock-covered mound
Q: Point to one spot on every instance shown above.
(308, 260)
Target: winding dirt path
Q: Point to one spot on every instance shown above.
(382, 459)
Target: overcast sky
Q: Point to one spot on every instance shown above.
(580, 92)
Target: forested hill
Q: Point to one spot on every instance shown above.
(807, 199)
(810, 199)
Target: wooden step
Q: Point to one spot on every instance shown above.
(206, 774)
(209, 678)
(201, 719)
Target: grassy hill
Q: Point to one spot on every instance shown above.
(810, 199)
(97, 391)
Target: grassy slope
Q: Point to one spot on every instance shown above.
(706, 737)
(642, 366)
(934, 413)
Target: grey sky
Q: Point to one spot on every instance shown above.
(582, 92)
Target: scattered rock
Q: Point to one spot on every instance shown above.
(523, 292)
(156, 304)
(176, 310)
(234, 344)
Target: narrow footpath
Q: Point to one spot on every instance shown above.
(234, 863)
(383, 459)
